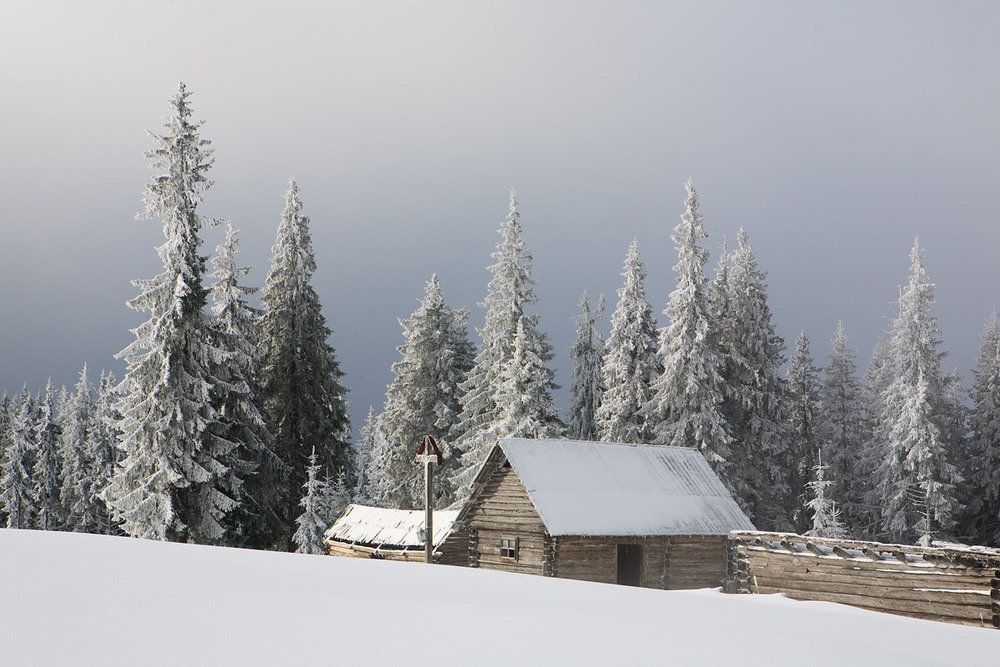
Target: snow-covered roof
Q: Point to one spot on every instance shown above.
(379, 526)
(598, 488)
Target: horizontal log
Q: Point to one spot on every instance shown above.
(898, 579)
(974, 598)
(878, 604)
(880, 579)
(827, 563)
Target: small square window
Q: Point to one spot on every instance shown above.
(508, 547)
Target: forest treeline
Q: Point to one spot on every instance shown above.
(230, 423)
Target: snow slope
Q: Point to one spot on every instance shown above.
(90, 600)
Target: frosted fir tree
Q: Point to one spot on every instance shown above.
(46, 469)
(509, 295)
(258, 520)
(916, 480)
(686, 407)
(804, 421)
(755, 395)
(104, 453)
(825, 513)
(17, 496)
(843, 432)
(305, 399)
(984, 442)
(84, 510)
(174, 481)
(424, 397)
(376, 452)
(335, 498)
(308, 539)
(631, 363)
(587, 354)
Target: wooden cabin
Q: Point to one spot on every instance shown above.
(638, 515)
(392, 534)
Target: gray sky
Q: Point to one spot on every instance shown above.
(834, 132)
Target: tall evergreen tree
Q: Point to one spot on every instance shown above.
(45, 472)
(305, 398)
(804, 424)
(510, 293)
(257, 522)
(174, 481)
(16, 489)
(631, 362)
(843, 432)
(755, 394)
(424, 397)
(916, 479)
(587, 355)
(984, 443)
(309, 538)
(84, 511)
(686, 406)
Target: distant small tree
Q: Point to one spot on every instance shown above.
(49, 513)
(825, 514)
(309, 538)
(804, 424)
(17, 493)
(587, 354)
(84, 510)
(377, 453)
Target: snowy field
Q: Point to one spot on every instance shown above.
(71, 599)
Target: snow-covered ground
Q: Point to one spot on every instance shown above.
(70, 599)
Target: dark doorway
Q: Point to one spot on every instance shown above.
(630, 564)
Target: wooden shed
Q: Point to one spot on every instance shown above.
(639, 515)
(392, 534)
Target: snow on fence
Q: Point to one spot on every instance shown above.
(956, 584)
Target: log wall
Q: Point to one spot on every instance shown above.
(956, 585)
(504, 510)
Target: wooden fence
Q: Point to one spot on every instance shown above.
(953, 584)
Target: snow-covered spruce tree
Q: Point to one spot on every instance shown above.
(424, 396)
(257, 521)
(686, 407)
(47, 467)
(175, 481)
(17, 497)
(825, 513)
(983, 452)
(804, 419)
(510, 293)
(631, 362)
(755, 395)
(587, 354)
(305, 399)
(308, 539)
(843, 432)
(105, 452)
(84, 511)
(916, 480)
(375, 451)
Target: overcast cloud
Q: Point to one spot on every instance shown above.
(834, 132)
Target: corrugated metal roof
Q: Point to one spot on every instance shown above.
(379, 526)
(598, 488)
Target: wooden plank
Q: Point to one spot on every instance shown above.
(975, 598)
(837, 564)
(946, 582)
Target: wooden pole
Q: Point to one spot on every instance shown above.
(428, 512)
